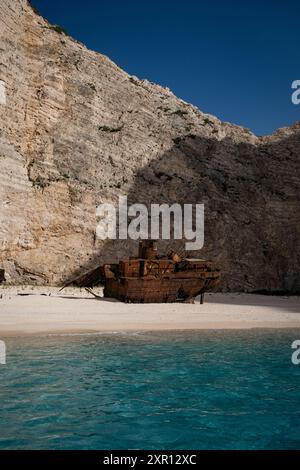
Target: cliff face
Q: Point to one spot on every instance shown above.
(76, 131)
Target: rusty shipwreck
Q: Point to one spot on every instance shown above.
(153, 278)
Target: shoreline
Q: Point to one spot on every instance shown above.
(36, 311)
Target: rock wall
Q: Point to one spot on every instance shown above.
(77, 131)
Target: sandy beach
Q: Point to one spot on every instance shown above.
(34, 311)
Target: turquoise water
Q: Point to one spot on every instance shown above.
(199, 390)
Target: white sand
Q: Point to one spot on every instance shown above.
(76, 311)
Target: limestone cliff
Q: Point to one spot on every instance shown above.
(76, 131)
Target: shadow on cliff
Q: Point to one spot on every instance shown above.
(251, 197)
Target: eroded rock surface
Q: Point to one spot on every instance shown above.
(77, 131)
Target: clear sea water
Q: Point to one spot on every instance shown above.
(183, 390)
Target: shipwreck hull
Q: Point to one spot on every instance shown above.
(145, 290)
(150, 278)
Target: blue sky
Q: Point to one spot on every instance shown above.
(234, 59)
